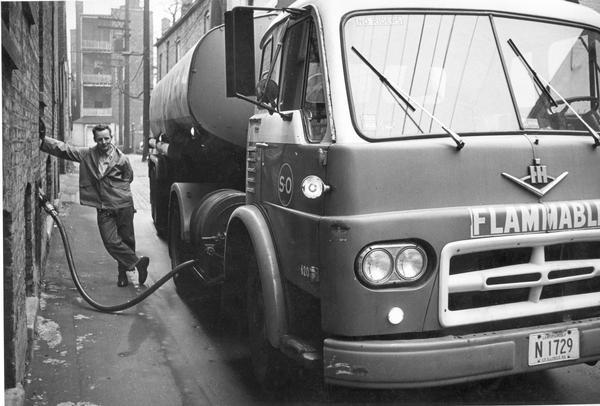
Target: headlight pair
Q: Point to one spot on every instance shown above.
(391, 264)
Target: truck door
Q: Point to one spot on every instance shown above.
(291, 148)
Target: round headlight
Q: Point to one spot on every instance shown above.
(377, 266)
(411, 263)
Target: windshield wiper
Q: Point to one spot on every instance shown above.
(409, 101)
(538, 81)
(532, 72)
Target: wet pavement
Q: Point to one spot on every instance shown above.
(165, 351)
(133, 357)
(82, 355)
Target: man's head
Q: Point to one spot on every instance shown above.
(102, 137)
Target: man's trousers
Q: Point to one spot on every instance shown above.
(116, 230)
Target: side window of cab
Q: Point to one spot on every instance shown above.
(314, 90)
(302, 86)
(265, 63)
(268, 75)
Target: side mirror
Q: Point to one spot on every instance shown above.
(267, 91)
(239, 51)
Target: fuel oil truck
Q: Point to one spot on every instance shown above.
(398, 193)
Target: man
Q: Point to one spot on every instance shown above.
(104, 177)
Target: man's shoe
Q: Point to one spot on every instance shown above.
(122, 281)
(142, 268)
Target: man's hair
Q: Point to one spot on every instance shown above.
(101, 127)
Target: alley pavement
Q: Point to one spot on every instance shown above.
(166, 351)
(84, 357)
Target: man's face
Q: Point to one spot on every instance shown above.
(103, 140)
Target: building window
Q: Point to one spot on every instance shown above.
(160, 58)
(177, 46)
(29, 280)
(11, 54)
(96, 98)
(167, 62)
(28, 14)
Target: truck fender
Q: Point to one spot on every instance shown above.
(161, 168)
(254, 222)
(188, 196)
(210, 217)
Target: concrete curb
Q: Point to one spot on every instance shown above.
(14, 396)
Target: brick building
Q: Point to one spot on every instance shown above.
(35, 95)
(98, 60)
(197, 17)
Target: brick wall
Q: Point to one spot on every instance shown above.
(33, 83)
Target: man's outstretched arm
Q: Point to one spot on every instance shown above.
(62, 149)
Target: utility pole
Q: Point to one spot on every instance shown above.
(146, 108)
(126, 121)
(121, 99)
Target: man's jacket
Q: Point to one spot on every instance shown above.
(108, 191)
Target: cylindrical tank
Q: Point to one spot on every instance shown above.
(192, 94)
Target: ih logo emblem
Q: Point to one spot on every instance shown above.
(538, 174)
(538, 182)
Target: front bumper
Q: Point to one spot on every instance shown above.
(445, 360)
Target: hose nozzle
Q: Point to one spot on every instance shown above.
(45, 203)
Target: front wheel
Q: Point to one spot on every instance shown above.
(270, 367)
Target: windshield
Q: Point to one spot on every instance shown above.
(561, 55)
(450, 64)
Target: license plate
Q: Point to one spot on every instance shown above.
(553, 346)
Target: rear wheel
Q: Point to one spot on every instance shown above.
(159, 198)
(270, 367)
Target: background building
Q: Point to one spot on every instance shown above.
(107, 66)
(594, 4)
(35, 97)
(197, 17)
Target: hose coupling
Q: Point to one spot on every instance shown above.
(45, 203)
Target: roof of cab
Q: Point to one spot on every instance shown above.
(554, 9)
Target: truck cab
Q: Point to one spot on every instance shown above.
(426, 178)
(399, 194)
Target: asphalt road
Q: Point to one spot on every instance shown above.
(166, 351)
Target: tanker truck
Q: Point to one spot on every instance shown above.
(398, 194)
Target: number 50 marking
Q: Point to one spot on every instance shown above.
(285, 186)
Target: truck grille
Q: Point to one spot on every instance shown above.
(518, 276)
(251, 170)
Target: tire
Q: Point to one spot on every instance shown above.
(180, 251)
(269, 365)
(159, 204)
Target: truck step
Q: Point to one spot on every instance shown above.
(301, 351)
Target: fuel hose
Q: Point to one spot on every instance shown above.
(51, 210)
